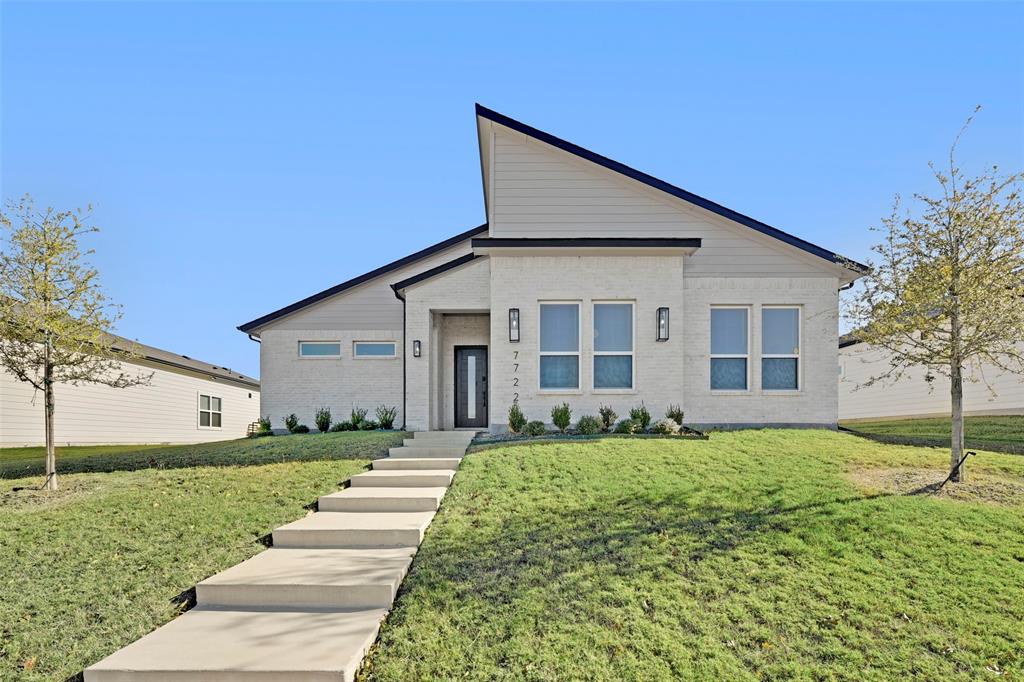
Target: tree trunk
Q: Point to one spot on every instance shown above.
(956, 449)
(51, 456)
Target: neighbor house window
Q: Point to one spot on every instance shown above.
(780, 348)
(374, 349)
(319, 349)
(209, 412)
(613, 345)
(729, 349)
(559, 346)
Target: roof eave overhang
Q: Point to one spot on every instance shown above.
(585, 246)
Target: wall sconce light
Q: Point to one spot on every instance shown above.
(662, 324)
(417, 349)
(513, 325)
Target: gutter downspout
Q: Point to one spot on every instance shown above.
(405, 358)
(254, 338)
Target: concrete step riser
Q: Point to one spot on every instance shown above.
(369, 596)
(427, 452)
(414, 463)
(413, 480)
(378, 505)
(347, 538)
(414, 443)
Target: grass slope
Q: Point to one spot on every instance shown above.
(1007, 430)
(108, 558)
(750, 556)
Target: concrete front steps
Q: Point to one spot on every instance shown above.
(309, 608)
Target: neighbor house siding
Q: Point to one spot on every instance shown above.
(913, 396)
(165, 411)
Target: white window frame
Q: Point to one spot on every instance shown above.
(357, 356)
(632, 351)
(796, 356)
(579, 343)
(713, 356)
(211, 411)
(318, 357)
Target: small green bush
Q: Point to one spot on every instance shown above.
(588, 425)
(675, 413)
(561, 416)
(535, 428)
(368, 425)
(301, 428)
(627, 426)
(641, 416)
(608, 417)
(358, 416)
(264, 428)
(386, 416)
(666, 427)
(516, 418)
(343, 426)
(322, 418)
(291, 422)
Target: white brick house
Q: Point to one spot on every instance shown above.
(590, 283)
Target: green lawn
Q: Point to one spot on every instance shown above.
(755, 555)
(979, 431)
(21, 462)
(106, 559)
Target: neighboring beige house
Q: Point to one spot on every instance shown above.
(590, 283)
(912, 395)
(187, 401)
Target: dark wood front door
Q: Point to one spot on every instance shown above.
(470, 386)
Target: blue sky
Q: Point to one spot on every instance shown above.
(242, 156)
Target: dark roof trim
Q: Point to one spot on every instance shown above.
(383, 270)
(654, 182)
(848, 340)
(433, 272)
(587, 242)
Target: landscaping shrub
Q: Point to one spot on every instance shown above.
(301, 428)
(608, 417)
(641, 416)
(368, 425)
(675, 413)
(561, 416)
(535, 428)
(264, 428)
(323, 419)
(627, 426)
(516, 418)
(666, 427)
(291, 422)
(343, 426)
(588, 425)
(386, 416)
(357, 417)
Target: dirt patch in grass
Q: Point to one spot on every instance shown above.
(979, 487)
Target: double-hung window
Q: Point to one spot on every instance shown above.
(559, 346)
(730, 344)
(613, 345)
(209, 412)
(780, 348)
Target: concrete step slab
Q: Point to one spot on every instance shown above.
(424, 478)
(373, 499)
(414, 463)
(309, 579)
(213, 645)
(354, 529)
(438, 451)
(419, 443)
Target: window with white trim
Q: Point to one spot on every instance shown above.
(209, 412)
(559, 346)
(780, 348)
(730, 348)
(373, 349)
(613, 345)
(319, 349)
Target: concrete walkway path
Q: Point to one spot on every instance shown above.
(309, 608)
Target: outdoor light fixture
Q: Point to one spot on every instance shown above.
(513, 325)
(662, 324)
(416, 349)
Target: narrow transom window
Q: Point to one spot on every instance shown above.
(613, 345)
(559, 346)
(729, 349)
(320, 349)
(374, 349)
(209, 411)
(780, 348)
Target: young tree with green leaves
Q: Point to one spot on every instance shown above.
(54, 319)
(946, 289)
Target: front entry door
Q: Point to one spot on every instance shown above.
(470, 386)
